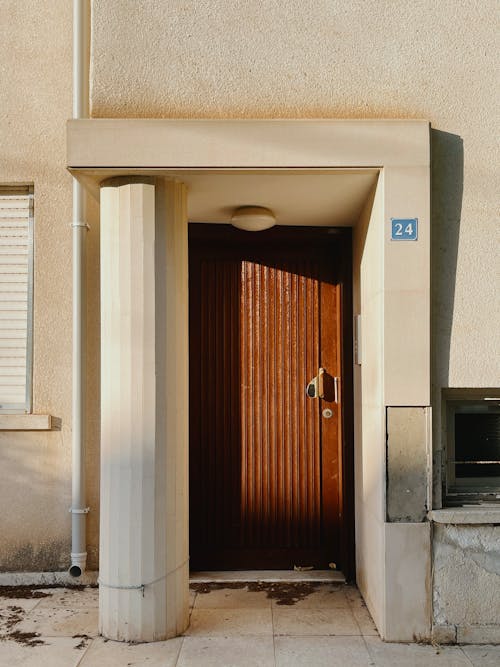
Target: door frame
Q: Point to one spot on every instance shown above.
(391, 293)
(223, 235)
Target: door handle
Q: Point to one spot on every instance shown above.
(315, 388)
(324, 386)
(321, 384)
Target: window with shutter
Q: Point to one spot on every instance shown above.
(16, 279)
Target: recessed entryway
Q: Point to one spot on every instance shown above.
(160, 167)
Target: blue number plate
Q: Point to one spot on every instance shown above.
(404, 229)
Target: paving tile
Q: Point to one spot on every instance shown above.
(365, 621)
(60, 622)
(53, 652)
(325, 596)
(354, 596)
(107, 653)
(15, 607)
(314, 622)
(415, 655)
(321, 652)
(72, 599)
(28, 598)
(227, 598)
(230, 622)
(483, 656)
(227, 652)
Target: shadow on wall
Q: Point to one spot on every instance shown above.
(447, 179)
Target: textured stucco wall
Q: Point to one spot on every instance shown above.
(336, 59)
(35, 102)
(467, 582)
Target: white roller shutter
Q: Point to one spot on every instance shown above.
(16, 277)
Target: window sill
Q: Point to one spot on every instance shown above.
(25, 422)
(466, 515)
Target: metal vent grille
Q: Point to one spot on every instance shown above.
(16, 262)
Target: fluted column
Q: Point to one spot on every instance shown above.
(143, 570)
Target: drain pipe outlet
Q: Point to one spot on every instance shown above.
(80, 110)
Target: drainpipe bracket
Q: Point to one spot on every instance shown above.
(79, 223)
(84, 510)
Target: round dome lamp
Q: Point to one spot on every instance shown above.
(253, 218)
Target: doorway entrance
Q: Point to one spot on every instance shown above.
(270, 464)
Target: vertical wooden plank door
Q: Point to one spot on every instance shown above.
(265, 459)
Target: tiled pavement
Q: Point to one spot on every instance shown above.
(261, 625)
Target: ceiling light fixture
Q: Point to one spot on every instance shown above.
(253, 218)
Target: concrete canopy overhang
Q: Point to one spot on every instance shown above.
(359, 173)
(266, 163)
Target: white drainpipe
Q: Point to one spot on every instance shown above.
(79, 509)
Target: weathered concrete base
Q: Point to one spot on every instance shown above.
(466, 586)
(444, 634)
(466, 634)
(478, 634)
(47, 579)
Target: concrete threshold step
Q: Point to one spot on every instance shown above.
(270, 576)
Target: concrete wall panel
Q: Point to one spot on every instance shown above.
(408, 586)
(407, 464)
(369, 426)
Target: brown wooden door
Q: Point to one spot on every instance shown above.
(265, 464)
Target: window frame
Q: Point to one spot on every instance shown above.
(27, 406)
(467, 489)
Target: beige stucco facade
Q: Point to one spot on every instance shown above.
(36, 102)
(271, 59)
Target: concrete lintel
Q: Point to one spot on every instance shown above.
(166, 143)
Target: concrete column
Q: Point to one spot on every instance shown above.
(144, 568)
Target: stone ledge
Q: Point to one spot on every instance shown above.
(25, 422)
(457, 515)
(466, 634)
(478, 634)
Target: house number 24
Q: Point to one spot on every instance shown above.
(404, 229)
